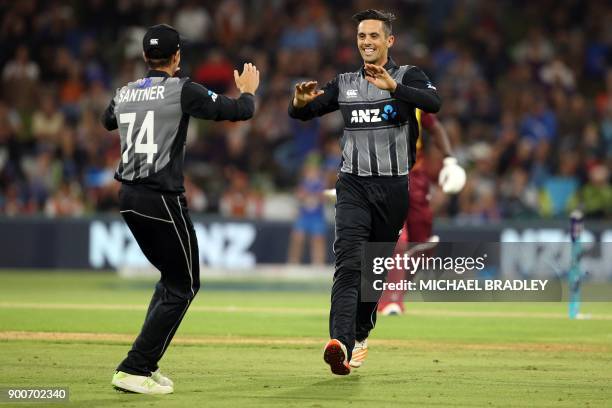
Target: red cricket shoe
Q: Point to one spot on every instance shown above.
(336, 356)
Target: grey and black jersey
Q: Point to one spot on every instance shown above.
(152, 115)
(149, 114)
(380, 127)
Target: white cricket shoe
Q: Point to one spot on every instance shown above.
(161, 379)
(392, 309)
(139, 384)
(360, 352)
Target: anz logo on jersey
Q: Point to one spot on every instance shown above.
(213, 96)
(373, 115)
(365, 115)
(389, 112)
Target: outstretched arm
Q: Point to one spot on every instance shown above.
(308, 102)
(416, 88)
(199, 102)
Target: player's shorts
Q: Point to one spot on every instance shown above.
(311, 224)
(419, 219)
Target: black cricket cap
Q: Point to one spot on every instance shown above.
(161, 41)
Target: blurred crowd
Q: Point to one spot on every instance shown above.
(526, 89)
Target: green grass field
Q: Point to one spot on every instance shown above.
(260, 344)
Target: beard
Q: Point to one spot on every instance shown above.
(371, 58)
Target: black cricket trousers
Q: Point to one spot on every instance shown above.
(368, 209)
(162, 227)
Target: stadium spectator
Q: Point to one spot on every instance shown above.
(530, 94)
(193, 21)
(19, 79)
(597, 193)
(519, 199)
(47, 121)
(310, 222)
(65, 202)
(21, 67)
(229, 22)
(239, 201)
(604, 97)
(216, 71)
(558, 191)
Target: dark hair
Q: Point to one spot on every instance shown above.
(154, 63)
(371, 14)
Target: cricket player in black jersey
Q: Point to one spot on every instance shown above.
(152, 115)
(378, 103)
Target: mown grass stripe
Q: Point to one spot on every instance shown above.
(302, 341)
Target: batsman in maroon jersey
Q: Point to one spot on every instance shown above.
(419, 218)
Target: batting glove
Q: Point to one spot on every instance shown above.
(452, 176)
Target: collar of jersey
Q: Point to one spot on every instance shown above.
(156, 73)
(389, 65)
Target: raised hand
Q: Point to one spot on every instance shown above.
(248, 81)
(305, 92)
(379, 77)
